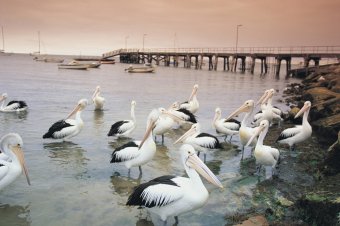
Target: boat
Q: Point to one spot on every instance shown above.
(73, 65)
(144, 69)
(103, 61)
(89, 64)
(53, 60)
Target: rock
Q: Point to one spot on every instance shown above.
(331, 163)
(255, 221)
(319, 94)
(285, 202)
(327, 127)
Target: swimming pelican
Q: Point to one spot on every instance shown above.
(169, 196)
(225, 127)
(165, 123)
(297, 134)
(200, 141)
(12, 144)
(125, 127)
(67, 128)
(264, 155)
(245, 132)
(138, 153)
(192, 104)
(12, 106)
(97, 99)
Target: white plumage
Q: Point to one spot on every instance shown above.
(192, 104)
(125, 127)
(224, 127)
(12, 106)
(97, 99)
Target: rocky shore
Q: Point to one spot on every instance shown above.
(307, 189)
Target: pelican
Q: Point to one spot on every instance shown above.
(168, 196)
(138, 153)
(297, 134)
(3, 156)
(97, 99)
(225, 127)
(192, 104)
(12, 144)
(67, 128)
(245, 132)
(200, 141)
(165, 123)
(125, 127)
(182, 113)
(264, 155)
(12, 106)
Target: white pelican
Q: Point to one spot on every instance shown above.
(169, 196)
(264, 155)
(245, 132)
(225, 127)
(297, 134)
(138, 153)
(67, 128)
(125, 127)
(12, 106)
(192, 104)
(200, 141)
(182, 113)
(97, 99)
(12, 144)
(165, 123)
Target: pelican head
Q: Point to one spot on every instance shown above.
(163, 111)
(269, 94)
(262, 97)
(305, 108)
(133, 103)
(263, 124)
(195, 128)
(150, 125)
(14, 143)
(96, 92)
(248, 106)
(3, 97)
(79, 107)
(174, 106)
(218, 113)
(192, 161)
(194, 91)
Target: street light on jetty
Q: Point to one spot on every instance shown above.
(126, 38)
(237, 27)
(143, 40)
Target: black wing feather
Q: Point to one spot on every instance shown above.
(136, 198)
(233, 120)
(216, 144)
(192, 117)
(115, 128)
(115, 158)
(282, 136)
(56, 127)
(22, 104)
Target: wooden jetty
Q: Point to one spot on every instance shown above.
(231, 59)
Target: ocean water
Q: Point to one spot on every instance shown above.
(73, 182)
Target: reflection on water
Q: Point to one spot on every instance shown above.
(123, 185)
(98, 118)
(9, 116)
(14, 215)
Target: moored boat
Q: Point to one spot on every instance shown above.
(145, 69)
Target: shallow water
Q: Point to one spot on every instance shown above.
(73, 183)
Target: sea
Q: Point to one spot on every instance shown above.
(73, 183)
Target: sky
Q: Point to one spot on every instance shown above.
(93, 27)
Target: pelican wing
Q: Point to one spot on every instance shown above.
(15, 105)
(231, 125)
(208, 141)
(184, 105)
(187, 115)
(59, 129)
(118, 128)
(126, 152)
(287, 133)
(160, 191)
(3, 170)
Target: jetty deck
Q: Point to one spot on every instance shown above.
(233, 59)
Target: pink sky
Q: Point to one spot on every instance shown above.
(93, 27)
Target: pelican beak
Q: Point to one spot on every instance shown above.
(147, 133)
(195, 162)
(269, 95)
(257, 132)
(95, 93)
(75, 110)
(20, 155)
(2, 98)
(243, 108)
(302, 110)
(193, 93)
(189, 133)
(260, 101)
(174, 117)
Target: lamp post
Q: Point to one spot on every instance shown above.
(126, 37)
(237, 27)
(143, 40)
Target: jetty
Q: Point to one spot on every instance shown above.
(233, 59)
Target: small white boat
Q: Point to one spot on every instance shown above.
(144, 69)
(73, 66)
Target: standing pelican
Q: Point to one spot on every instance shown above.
(165, 122)
(67, 128)
(12, 106)
(225, 127)
(297, 134)
(97, 99)
(192, 104)
(245, 132)
(182, 113)
(125, 127)
(264, 155)
(138, 153)
(12, 144)
(200, 141)
(169, 196)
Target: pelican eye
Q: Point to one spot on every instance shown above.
(18, 145)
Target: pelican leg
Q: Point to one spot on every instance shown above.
(231, 136)
(258, 170)
(292, 148)
(225, 138)
(162, 138)
(155, 138)
(242, 152)
(176, 220)
(205, 156)
(140, 170)
(129, 173)
(198, 153)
